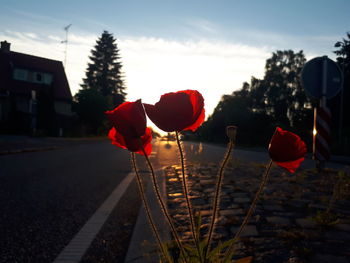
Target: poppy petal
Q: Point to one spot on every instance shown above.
(146, 142)
(287, 150)
(116, 138)
(158, 118)
(198, 122)
(183, 110)
(129, 127)
(291, 166)
(198, 112)
(132, 144)
(129, 118)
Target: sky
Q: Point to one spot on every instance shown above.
(166, 46)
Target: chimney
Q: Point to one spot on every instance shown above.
(5, 46)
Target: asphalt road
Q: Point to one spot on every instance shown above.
(46, 197)
(204, 153)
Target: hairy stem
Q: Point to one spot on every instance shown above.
(145, 204)
(217, 195)
(162, 205)
(251, 208)
(185, 189)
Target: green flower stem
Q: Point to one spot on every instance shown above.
(217, 195)
(145, 204)
(162, 205)
(251, 209)
(189, 206)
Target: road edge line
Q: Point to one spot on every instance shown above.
(80, 243)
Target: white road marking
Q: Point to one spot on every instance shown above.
(77, 247)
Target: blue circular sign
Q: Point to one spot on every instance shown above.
(312, 77)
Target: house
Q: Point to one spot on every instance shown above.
(34, 94)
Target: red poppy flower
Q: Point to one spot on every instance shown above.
(182, 110)
(132, 144)
(129, 126)
(129, 119)
(287, 150)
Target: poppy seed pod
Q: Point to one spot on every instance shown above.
(231, 132)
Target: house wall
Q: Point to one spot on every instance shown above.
(4, 109)
(14, 114)
(63, 107)
(22, 104)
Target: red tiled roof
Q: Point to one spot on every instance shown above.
(10, 60)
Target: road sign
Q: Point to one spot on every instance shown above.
(312, 77)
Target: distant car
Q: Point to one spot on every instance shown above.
(167, 138)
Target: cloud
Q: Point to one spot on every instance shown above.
(32, 43)
(202, 25)
(153, 66)
(315, 44)
(85, 40)
(31, 35)
(55, 38)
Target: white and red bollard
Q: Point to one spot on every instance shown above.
(321, 135)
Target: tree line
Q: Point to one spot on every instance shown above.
(278, 99)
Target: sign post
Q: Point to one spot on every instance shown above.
(322, 79)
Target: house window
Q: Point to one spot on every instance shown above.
(20, 74)
(32, 76)
(48, 78)
(42, 78)
(38, 77)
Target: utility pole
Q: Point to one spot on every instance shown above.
(66, 28)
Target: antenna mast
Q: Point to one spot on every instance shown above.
(66, 28)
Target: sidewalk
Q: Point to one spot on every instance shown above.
(143, 244)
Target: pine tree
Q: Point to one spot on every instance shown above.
(103, 87)
(104, 72)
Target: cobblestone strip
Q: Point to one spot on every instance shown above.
(284, 227)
